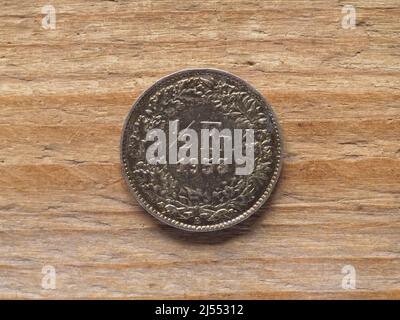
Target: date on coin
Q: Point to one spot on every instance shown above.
(201, 150)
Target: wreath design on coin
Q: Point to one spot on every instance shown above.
(183, 202)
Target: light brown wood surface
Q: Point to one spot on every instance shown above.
(64, 95)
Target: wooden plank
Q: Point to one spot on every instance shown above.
(64, 95)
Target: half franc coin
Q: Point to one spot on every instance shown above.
(201, 150)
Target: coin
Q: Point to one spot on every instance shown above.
(201, 150)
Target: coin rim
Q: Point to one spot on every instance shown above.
(222, 225)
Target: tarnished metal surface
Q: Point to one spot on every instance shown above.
(199, 196)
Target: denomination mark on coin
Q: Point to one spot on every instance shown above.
(201, 150)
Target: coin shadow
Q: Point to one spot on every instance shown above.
(209, 238)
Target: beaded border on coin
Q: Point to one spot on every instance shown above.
(222, 225)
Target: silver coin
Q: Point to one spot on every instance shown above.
(201, 150)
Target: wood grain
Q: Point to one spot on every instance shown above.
(64, 95)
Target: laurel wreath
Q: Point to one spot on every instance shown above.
(183, 202)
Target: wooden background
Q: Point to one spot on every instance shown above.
(64, 95)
